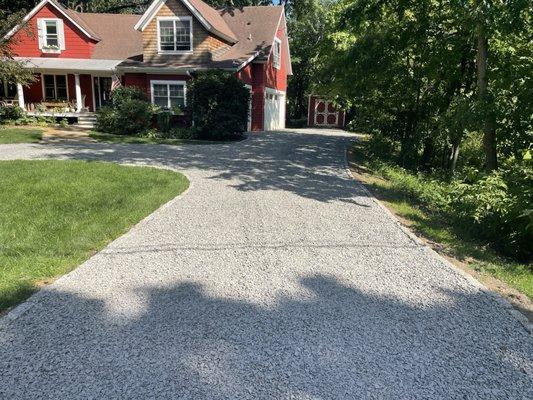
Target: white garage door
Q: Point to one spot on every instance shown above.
(274, 110)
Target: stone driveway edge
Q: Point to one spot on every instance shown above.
(524, 321)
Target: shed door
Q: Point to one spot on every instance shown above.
(326, 114)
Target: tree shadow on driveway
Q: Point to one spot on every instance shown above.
(310, 165)
(332, 341)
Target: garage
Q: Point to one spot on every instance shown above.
(274, 109)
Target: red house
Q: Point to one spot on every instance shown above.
(79, 57)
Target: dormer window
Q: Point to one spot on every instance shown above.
(51, 35)
(174, 35)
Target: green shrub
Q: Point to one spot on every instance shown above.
(297, 123)
(163, 120)
(124, 94)
(128, 117)
(219, 105)
(11, 113)
(495, 207)
(106, 120)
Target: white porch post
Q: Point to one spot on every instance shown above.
(79, 104)
(20, 93)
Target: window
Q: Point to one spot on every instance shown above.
(55, 87)
(175, 34)
(168, 94)
(7, 90)
(276, 53)
(51, 35)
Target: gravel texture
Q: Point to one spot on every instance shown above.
(275, 276)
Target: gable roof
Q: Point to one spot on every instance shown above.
(69, 14)
(208, 17)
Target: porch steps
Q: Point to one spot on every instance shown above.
(86, 121)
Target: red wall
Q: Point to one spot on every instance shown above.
(277, 78)
(26, 42)
(34, 92)
(258, 96)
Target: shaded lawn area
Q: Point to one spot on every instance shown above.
(18, 135)
(110, 138)
(446, 237)
(56, 214)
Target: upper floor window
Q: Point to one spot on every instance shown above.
(51, 35)
(175, 34)
(276, 53)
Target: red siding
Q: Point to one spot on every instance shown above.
(34, 92)
(258, 96)
(277, 78)
(26, 42)
(86, 86)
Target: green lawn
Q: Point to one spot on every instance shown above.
(110, 138)
(451, 240)
(18, 135)
(56, 214)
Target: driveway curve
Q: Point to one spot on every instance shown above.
(275, 276)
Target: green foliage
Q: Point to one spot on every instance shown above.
(124, 94)
(63, 122)
(163, 121)
(494, 207)
(219, 105)
(130, 113)
(408, 70)
(9, 114)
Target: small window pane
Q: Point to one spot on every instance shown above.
(160, 90)
(61, 93)
(51, 28)
(49, 93)
(176, 90)
(161, 101)
(61, 80)
(49, 80)
(177, 101)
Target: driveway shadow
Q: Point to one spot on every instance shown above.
(310, 165)
(330, 342)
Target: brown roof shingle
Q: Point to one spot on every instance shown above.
(118, 39)
(255, 27)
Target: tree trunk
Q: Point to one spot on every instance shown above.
(454, 156)
(489, 131)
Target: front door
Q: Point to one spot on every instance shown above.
(102, 91)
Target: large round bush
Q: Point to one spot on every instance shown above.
(219, 105)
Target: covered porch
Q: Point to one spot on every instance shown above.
(64, 87)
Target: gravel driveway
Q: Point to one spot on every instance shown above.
(274, 277)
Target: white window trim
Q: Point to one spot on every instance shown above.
(184, 83)
(277, 64)
(43, 37)
(55, 86)
(159, 51)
